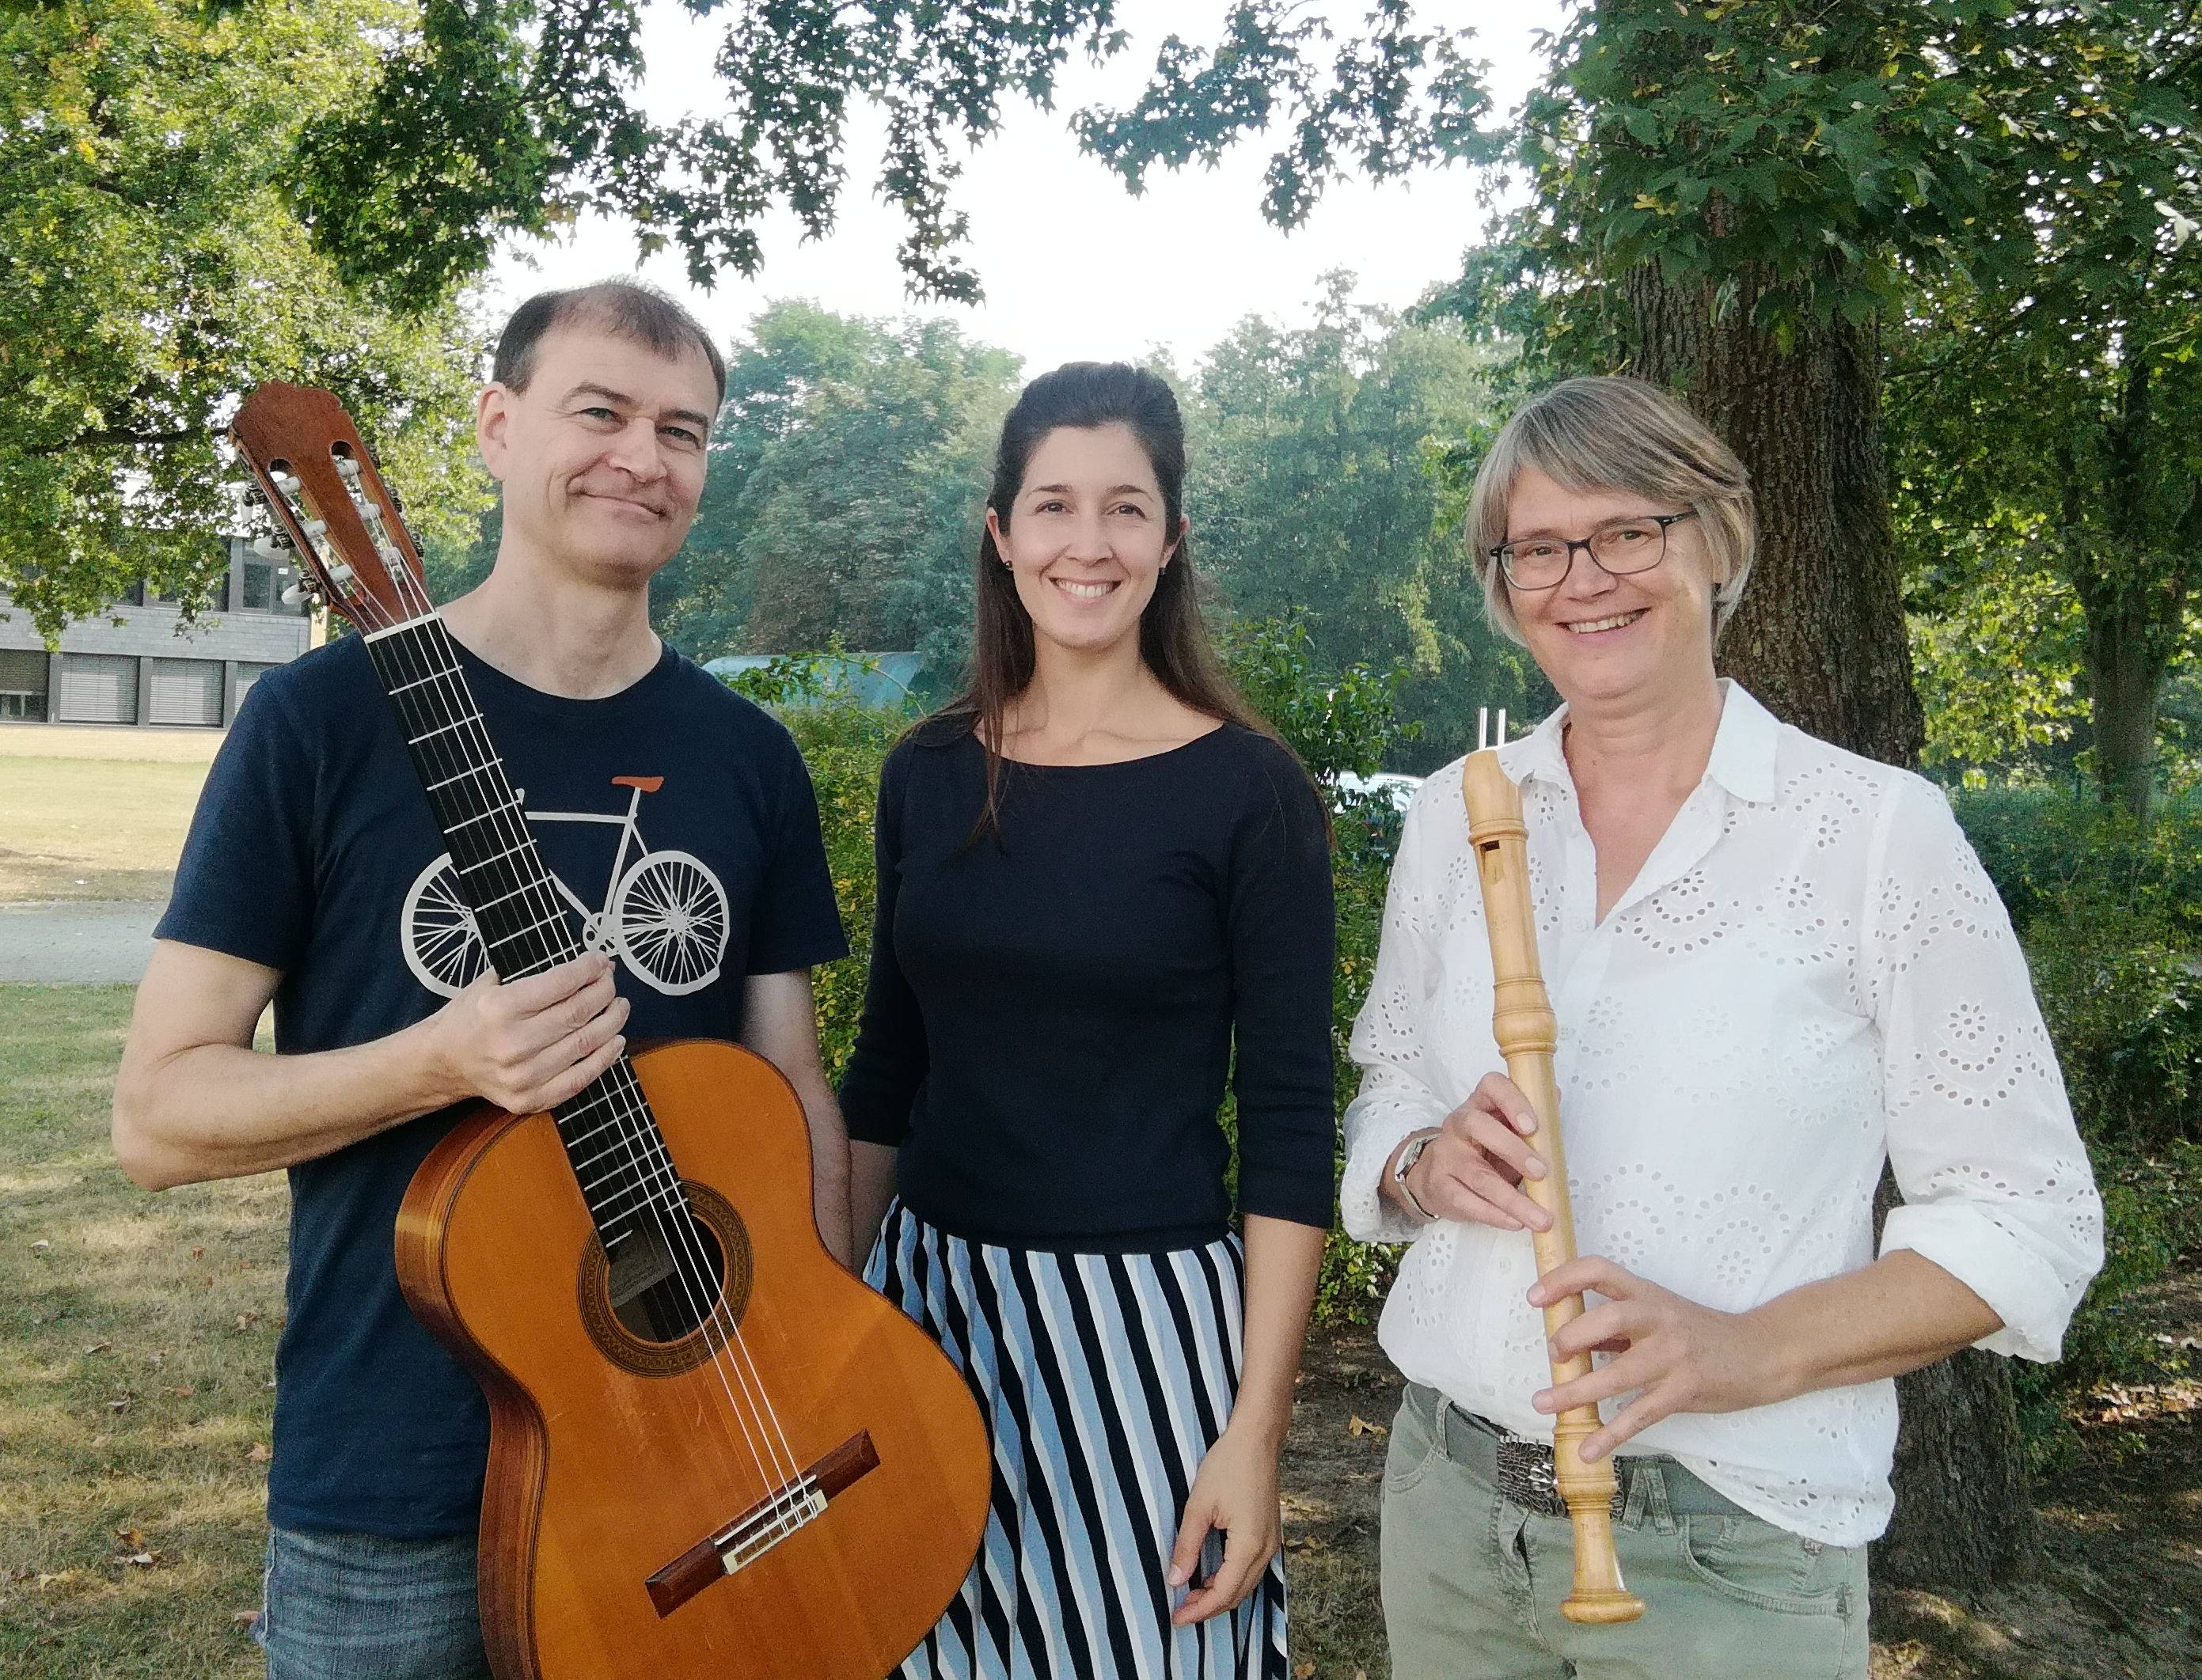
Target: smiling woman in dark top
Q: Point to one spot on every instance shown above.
(1104, 890)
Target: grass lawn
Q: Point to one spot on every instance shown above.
(92, 828)
(137, 1338)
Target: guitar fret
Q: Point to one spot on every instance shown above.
(499, 857)
(511, 809)
(444, 729)
(422, 682)
(489, 769)
(484, 909)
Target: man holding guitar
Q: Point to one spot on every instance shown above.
(301, 882)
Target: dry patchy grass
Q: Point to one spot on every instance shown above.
(136, 1340)
(92, 828)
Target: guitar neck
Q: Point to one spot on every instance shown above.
(611, 1138)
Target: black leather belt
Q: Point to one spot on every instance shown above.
(1521, 1467)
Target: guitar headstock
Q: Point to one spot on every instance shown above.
(333, 511)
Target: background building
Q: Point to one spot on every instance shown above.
(130, 665)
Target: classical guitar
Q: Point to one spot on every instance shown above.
(713, 1454)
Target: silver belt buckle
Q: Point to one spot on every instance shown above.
(1527, 1476)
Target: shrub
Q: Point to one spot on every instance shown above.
(2110, 912)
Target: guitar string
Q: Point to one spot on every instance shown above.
(378, 616)
(675, 1224)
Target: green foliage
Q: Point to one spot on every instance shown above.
(156, 266)
(846, 474)
(2110, 912)
(1319, 487)
(1342, 723)
(489, 116)
(845, 746)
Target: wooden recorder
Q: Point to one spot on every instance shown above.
(1522, 1020)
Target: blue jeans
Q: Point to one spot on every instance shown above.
(349, 1606)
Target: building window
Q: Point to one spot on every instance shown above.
(22, 685)
(259, 586)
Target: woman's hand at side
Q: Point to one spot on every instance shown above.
(1473, 1166)
(1235, 1491)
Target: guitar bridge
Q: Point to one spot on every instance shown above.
(792, 1505)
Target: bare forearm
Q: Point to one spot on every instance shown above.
(222, 1111)
(829, 1167)
(1900, 1313)
(1282, 1259)
(871, 1180)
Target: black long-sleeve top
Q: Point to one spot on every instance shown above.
(1052, 1011)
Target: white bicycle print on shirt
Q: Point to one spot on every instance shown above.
(664, 915)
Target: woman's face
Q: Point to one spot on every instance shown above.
(1599, 638)
(1087, 536)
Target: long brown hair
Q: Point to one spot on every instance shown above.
(1173, 641)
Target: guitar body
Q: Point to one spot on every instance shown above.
(615, 1458)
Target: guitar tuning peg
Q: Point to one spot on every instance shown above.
(348, 468)
(341, 574)
(297, 592)
(277, 546)
(286, 482)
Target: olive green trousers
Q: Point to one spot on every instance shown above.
(1473, 1583)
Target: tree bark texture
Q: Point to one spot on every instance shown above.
(1820, 636)
(1820, 639)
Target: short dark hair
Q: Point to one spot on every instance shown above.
(627, 309)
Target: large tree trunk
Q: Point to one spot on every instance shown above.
(1820, 636)
(1820, 639)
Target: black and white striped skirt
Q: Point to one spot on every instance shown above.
(1106, 1378)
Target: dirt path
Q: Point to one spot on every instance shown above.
(2118, 1595)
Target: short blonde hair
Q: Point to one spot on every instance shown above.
(1608, 432)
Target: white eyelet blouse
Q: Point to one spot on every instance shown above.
(1811, 974)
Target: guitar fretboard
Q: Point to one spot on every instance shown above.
(612, 1140)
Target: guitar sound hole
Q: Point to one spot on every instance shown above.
(690, 1270)
(644, 1312)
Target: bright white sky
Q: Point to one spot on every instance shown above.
(1073, 266)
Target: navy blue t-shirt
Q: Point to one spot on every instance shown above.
(313, 852)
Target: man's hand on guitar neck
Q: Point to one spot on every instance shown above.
(529, 1045)
(194, 1101)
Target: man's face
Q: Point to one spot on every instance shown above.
(602, 457)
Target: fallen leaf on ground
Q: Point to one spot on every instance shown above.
(133, 1540)
(98, 1347)
(1304, 1669)
(246, 1320)
(183, 1391)
(121, 1405)
(243, 1619)
(198, 1253)
(142, 1560)
(1361, 1425)
(40, 1244)
(259, 1454)
(59, 1578)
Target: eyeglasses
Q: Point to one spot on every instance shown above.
(1619, 547)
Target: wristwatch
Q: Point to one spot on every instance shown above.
(1405, 1164)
